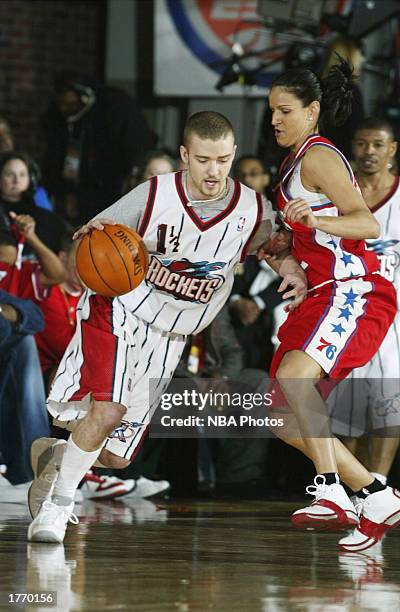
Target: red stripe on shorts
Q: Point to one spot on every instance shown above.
(99, 348)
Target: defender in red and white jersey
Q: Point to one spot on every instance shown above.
(370, 402)
(349, 308)
(197, 225)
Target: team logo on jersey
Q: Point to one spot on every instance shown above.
(126, 430)
(382, 247)
(388, 257)
(241, 224)
(184, 279)
(329, 348)
(3, 274)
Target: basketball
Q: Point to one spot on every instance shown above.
(112, 261)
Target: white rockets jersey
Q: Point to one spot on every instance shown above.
(192, 261)
(387, 246)
(386, 362)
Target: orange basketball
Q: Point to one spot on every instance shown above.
(112, 261)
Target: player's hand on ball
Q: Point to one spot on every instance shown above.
(299, 211)
(91, 225)
(297, 291)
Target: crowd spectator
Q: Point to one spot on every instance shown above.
(154, 164)
(93, 138)
(27, 278)
(23, 415)
(17, 187)
(7, 143)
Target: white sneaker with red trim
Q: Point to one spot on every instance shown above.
(331, 509)
(105, 487)
(381, 512)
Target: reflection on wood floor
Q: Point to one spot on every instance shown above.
(183, 556)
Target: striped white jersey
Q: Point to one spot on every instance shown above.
(386, 362)
(192, 254)
(387, 246)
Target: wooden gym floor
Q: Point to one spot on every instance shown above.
(194, 555)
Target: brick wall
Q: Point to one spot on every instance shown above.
(38, 38)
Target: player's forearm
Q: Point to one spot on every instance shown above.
(357, 225)
(51, 267)
(287, 264)
(283, 263)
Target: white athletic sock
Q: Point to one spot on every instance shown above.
(381, 477)
(75, 463)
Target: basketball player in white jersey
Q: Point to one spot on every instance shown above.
(371, 403)
(197, 225)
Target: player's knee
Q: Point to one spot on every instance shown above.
(113, 461)
(108, 415)
(285, 372)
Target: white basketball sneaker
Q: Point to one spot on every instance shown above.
(331, 509)
(144, 488)
(381, 512)
(95, 486)
(51, 522)
(46, 457)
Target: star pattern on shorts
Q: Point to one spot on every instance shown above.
(338, 329)
(345, 313)
(347, 259)
(351, 297)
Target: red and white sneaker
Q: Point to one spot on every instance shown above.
(95, 486)
(331, 509)
(381, 512)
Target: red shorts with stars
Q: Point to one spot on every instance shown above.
(340, 325)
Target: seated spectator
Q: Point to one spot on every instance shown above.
(27, 279)
(250, 170)
(16, 195)
(23, 415)
(7, 143)
(154, 164)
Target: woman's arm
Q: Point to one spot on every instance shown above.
(323, 171)
(52, 271)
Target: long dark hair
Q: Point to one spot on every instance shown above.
(334, 92)
(33, 169)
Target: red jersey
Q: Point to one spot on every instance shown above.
(59, 310)
(23, 280)
(324, 257)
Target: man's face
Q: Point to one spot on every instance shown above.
(373, 150)
(69, 103)
(208, 163)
